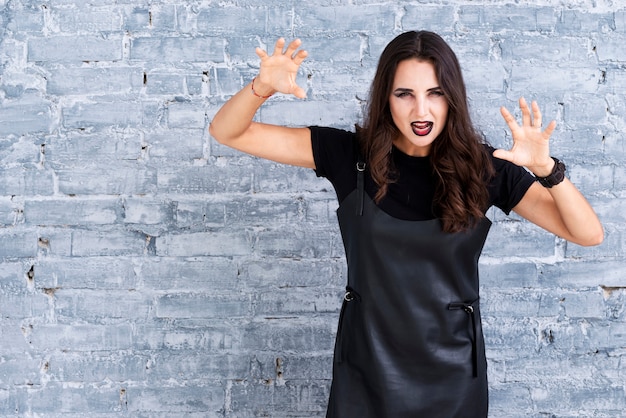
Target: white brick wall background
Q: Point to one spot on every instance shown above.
(146, 271)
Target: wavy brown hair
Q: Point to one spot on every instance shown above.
(459, 159)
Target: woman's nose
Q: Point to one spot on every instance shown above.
(420, 107)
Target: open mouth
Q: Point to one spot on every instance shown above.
(422, 128)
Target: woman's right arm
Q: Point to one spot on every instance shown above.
(233, 124)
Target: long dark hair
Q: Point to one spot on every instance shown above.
(458, 157)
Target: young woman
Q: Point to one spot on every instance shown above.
(414, 183)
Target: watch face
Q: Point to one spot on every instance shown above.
(559, 176)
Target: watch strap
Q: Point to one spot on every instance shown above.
(555, 177)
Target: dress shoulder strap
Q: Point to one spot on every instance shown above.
(360, 186)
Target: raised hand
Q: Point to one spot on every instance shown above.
(531, 144)
(278, 71)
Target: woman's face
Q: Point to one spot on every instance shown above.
(418, 107)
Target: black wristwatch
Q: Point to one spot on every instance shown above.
(557, 175)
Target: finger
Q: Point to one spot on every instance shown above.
(278, 47)
(299, 92)
(525, 112)
(547, 133)
(291, 48)
(536, 115)
(300, 56)
(508, 118)
(503, 154)
(261, 53)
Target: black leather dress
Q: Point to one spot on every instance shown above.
(409, 342)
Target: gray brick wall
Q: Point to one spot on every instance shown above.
(147, 271)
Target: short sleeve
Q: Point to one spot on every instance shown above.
(334, 157)
(509, 185)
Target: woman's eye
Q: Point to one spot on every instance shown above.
(403, 94)
(437, 93)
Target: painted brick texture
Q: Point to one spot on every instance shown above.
(147, 271)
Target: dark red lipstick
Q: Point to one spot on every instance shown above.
(422, 128)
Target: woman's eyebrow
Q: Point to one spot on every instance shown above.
(408, 90)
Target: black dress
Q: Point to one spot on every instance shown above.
(409, 341)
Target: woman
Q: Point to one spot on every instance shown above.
(414, 183)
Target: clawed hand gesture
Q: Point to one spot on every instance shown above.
(531, 147)
(278, 71)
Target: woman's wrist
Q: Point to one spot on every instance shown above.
(544, 171)
(556, 175)
(261, 91)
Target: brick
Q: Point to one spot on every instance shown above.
(611, 50)
(575, 22)
(202, 306)
(88, 20)
(186, 115)
(85, 147)
(26, 20)
(85, 116)
(72, 212)
(191, 366)
(521, 304)
(108, 242)
(162, 83)
(80, 337)
(75, 49)
(556, 398)
(204, 179)
(205, 244)
(225, 82)
(200, 214)
(342, 19)
(228, 19)
(94, 81)
(97, 367)
(489, 76)
(18, 244)
(190, 274)
(22, 180)
(296, 242)
(272, 178)
(162, 17)
(197, 337)
(298, 301)
(74, 399)
(178, 50)
(148, 212)
(98, 307)
(260, 398)
(579, 80)
(294, 273)
(508, 18)
(510, 399)
(27, 115)
(87, 273)
(194, 397)
(532, 241)
(291, 335)
(553, 50)
(18, 369)
(138, 18)
(588, 304)
(20, 304)
(590, 274)
(264, 211)
(88, 179)
(14, 345)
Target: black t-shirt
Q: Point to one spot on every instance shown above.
(410, 196)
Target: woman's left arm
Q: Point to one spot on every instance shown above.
(560, 209)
